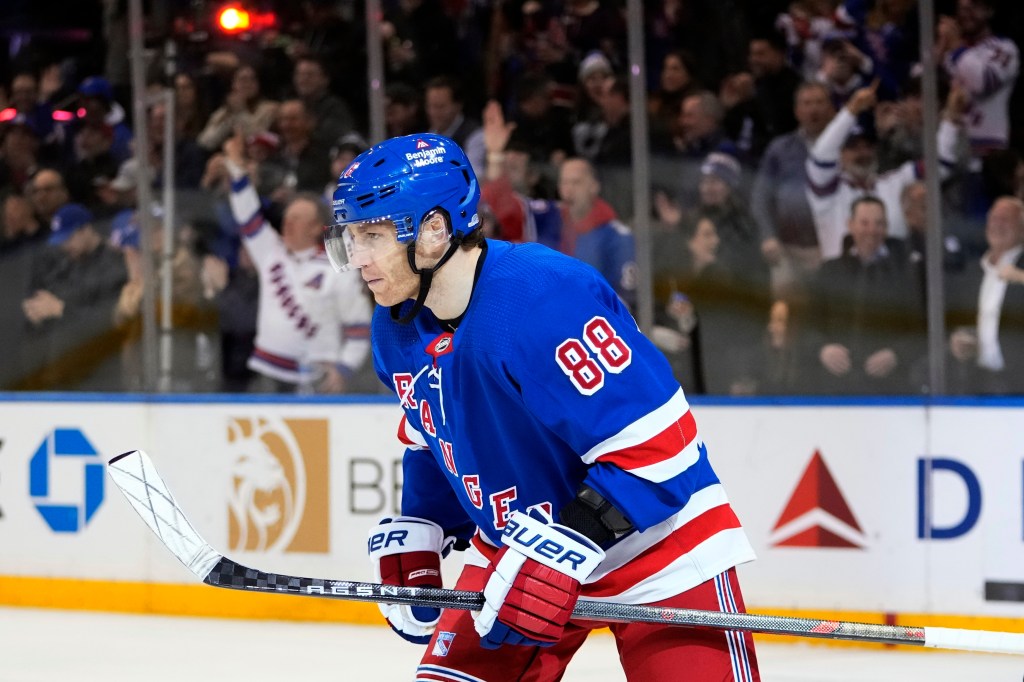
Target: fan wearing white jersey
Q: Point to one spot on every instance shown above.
(986, 67)
(312, 325)
(842, 167)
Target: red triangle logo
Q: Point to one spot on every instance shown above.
(420, 144)
(816, 537)
(817, 489)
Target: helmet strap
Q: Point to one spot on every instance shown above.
(426, 277)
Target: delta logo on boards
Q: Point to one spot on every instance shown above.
(66, 480)
(279, 497)
(817, 514)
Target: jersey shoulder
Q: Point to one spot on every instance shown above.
(530, 286)
(518, 276)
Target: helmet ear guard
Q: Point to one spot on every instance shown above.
(435, 228)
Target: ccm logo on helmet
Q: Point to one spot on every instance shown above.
(548, 548)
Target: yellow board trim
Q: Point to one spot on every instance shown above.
(201, 600)
(177, 600)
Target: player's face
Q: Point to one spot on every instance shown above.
(382, 262)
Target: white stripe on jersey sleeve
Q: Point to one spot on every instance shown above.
(636, 543)
(671, 467)
(245, 203)
(642, 429)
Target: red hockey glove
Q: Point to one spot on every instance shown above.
(407, 551)
(535, 582)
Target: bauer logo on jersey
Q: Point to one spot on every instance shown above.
(817, 514)
(278, 500)
(443, 643)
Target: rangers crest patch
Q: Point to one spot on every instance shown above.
(443, 643)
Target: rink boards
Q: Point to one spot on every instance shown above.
(880, 511)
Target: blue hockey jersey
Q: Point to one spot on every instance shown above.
(548, 383)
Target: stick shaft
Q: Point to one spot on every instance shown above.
(229, 574)
(137, 478)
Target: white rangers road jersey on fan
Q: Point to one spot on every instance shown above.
(830, 192)
(988, 71)
(308, 313)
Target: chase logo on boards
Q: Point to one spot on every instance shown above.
(66, 480)
(278, 500)
(817, 514)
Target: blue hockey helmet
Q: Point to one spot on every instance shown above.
(404, 180)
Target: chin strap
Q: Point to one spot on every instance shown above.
(426, 277)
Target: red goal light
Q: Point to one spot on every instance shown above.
(234, 19)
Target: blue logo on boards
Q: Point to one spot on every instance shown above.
(66, 455)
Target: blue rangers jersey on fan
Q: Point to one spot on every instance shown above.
(546, 384)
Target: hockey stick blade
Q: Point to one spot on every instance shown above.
(137, 478)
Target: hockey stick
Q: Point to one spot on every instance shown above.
(137, 478)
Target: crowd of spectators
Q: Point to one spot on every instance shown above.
(786, 159)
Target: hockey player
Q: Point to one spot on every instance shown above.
(312, 325)
(542, 427)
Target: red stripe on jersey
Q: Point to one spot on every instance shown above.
(659, 556)
(482, 546)
(356, 331)
(276, 360)
(253, 226)
(403, 427)
(661, 447)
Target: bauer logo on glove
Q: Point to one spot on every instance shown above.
(524, 534)
(407, 551)
(534, 583)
